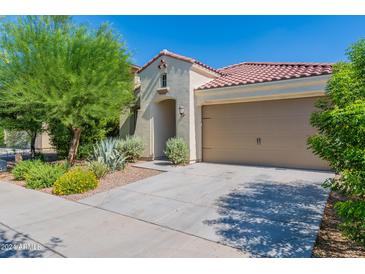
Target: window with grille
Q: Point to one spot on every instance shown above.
(163, 80)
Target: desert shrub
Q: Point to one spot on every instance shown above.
(341, 138)
(98, 168)
(177, 151)
(44, 175)
(23, 167)
(106, 152)
(131, 147)
(76, 180)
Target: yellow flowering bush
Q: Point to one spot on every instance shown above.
(76, 180)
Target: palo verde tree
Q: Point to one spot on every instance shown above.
(83, 74)
(21, 54)
(87, 78)
(341, 138)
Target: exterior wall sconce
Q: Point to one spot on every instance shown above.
(182, 110)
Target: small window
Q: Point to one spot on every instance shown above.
(163, 80)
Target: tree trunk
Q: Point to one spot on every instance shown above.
(32, 145)
(76, 133)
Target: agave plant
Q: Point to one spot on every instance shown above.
(106, 152)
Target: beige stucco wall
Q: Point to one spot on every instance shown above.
(197, 78)
(43, 142)
(182, 79)
(178, 84)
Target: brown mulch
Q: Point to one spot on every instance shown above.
(119, 178)
(330, 242)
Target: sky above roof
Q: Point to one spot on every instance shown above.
(224, 40)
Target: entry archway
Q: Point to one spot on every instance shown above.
(164, 125)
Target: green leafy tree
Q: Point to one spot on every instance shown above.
(20, 62)
(341, 138)
(81, 75)
(60, 136)
(87, 78)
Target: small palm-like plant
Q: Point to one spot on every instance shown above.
(106, 152)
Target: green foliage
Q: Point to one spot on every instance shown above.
(341, 137)
(99, 169)
(353, 219)
(2, 137)
(60, 136)
(177, 151)
(38, 174)
(44, 175)
(106, 152)
(52, 68)
(21, 58)
(131, 147)
(23, 167)
(76, 180)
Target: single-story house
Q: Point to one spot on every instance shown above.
(254, 113)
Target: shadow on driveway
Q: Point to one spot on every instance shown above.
(18, 245)
(271, 219)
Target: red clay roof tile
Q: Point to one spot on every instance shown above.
(259, 72)
(252, 72)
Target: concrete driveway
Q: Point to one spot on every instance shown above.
(36, 224)
(264, 212)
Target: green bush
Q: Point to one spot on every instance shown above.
(98, 168)
(76, 180)
(177, 151)
(61, 136)
(131, 147)
(106, 152)
(23, 167)
(341, 138)
(353, 219)
(44, 175)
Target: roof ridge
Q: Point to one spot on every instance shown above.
(290, 63)
(277, 63)
(166, 52)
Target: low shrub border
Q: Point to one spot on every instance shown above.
(38, 174)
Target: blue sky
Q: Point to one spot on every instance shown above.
(223, 40)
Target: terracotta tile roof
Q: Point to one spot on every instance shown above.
(259, 72)
(179, 57)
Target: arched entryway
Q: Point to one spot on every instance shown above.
(164, 125)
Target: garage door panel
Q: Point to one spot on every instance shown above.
(264, 158)
(257, 126)
(237, 141)
(230, 133)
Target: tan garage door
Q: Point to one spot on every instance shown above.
(272, 133)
